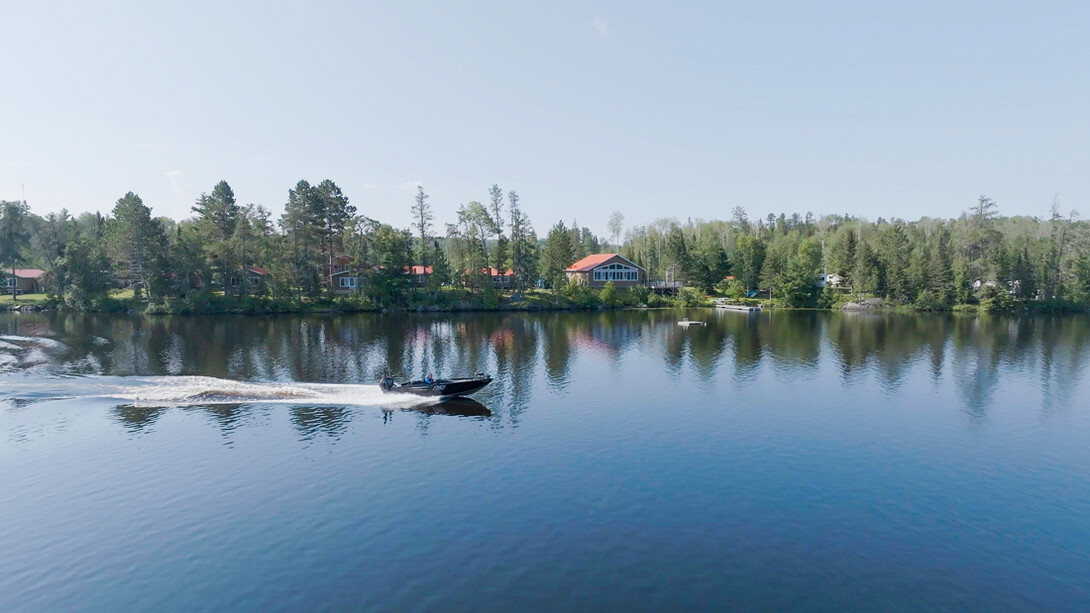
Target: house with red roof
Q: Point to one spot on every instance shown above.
(255, 277)
(501, 279)
(25, 281)
(419, 275)
(598, 269)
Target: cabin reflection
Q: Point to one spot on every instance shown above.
(536, 353)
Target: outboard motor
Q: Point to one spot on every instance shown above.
(387, 383)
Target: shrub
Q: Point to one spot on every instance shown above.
(638, 295)
(608, 295)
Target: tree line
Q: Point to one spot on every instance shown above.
(319, 234)
(978, 258)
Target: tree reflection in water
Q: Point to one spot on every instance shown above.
(556, 350)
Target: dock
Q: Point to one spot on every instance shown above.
(738, 307)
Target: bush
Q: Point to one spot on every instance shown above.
(930, 300)
(827, 298)
(735, 290)
(638, 295)
(996, 300)
(690, 297)
(608, 295)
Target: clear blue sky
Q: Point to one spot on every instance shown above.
(684, 109)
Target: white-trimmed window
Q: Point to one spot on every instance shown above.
(7, 281)
(616, 272)
(349, 282)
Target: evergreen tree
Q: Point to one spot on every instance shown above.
(501, 253)
(217, 215)
(334, 213)
(137, 244)
(495, 209)
(681, 264)
(422, 218)
(523, 243)
(559, 253)
(748, 259)
(893, 254)
(440, 267)
(14, 237)
(302, 224)
(866, 276)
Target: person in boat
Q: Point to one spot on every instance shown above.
(429, 379)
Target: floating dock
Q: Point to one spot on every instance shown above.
(686, 323)
(738, 307)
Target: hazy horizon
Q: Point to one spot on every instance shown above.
(656, 111)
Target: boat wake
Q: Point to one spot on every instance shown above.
(173, 391)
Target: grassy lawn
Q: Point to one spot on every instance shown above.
(23, 298)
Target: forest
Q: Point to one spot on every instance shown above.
(979, 260)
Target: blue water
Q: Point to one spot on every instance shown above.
(796, 461)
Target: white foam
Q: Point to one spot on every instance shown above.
(33, 340)
(193, 390)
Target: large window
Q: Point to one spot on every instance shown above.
(616, 272)
(348, 282)
(7, 282)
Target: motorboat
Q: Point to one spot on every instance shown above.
(439, 388)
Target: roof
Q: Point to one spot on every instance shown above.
(494, 272)
(597, 259)
(26, 273)
(260, 271)
(417, 269)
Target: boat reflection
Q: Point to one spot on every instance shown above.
(460, 407)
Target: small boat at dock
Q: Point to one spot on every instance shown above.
(685, 323)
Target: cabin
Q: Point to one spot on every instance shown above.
(830, 280)
(341, 280)
(501, 279)
(419, 275)
(255, 278)
(600, 268)
(24, 280)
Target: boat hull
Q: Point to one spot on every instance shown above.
(441, 388)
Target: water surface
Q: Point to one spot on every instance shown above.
(783, 460)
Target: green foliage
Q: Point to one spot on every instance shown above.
(608, 295)
(137, 244)
(638, 295)
(996, 300)
(735, 290)
(557, 255)
(1023, 264)
(579, 295)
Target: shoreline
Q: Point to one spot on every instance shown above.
(128, 307)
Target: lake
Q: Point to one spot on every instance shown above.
(799, 460)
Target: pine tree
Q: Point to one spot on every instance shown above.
(137, 243)
(334, 214)
(523, 243)
(302, 221)
(559, 253)
(217, 214)
(422, 218)
(14, 237)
